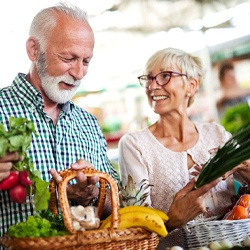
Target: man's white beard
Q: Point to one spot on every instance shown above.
(50, 84)
(51, 88)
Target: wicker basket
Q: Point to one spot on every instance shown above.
(200, 234)
(111, 238)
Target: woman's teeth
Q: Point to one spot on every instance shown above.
(159, 97)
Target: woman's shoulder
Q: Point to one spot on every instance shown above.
(209, 125)
(212, 129)
(136, 135)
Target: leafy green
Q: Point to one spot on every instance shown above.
(236, 117)
(55, 221)
(41, 194)
(232, 153)
(18, 138)
(34, 226)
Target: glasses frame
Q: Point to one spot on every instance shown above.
(152, 78)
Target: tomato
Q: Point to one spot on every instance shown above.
(9, 181)
(238, 212)
(244, 201)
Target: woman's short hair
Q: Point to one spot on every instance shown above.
(187, 63)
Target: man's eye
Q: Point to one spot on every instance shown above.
(68, 59)
(85, 62)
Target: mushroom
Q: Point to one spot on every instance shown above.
(84, 218)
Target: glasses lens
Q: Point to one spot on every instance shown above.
(163, 78)
(144, 80)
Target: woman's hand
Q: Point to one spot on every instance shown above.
(243, 170)
(6, 164)
(188, 204)
(195, 170)
(85, 188)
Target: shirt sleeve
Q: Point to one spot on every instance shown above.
(131, 162)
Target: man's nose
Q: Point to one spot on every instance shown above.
(78, 70)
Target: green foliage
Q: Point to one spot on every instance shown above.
(232, 153)
(56, 222)
(34, 226)
(236, 117)
(18, 138)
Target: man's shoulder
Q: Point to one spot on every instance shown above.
(7, 95)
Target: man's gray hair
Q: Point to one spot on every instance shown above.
(45, 20)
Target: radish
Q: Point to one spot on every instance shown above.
(9, 181)
(18, 193)
(24, 178)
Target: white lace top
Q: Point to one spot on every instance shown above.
(143, 157)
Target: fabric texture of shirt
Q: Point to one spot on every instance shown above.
(143, 157)
(76, 135)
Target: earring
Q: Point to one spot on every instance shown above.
(188, 94)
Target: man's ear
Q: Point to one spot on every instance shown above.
(32, 48)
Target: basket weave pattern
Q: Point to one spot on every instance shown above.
(111, 238)
(202, 233)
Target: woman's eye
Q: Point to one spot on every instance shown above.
(166, 75)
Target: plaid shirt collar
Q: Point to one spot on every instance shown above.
(32, 97)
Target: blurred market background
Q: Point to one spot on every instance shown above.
(127, 32)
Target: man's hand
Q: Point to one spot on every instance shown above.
(6, 164)
(187, 204)
(85, 188)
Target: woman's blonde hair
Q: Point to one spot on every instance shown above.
(188, 64)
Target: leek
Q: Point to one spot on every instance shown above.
(229, 155)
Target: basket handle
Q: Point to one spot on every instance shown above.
(69, 174)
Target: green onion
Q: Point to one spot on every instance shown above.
(229, 155)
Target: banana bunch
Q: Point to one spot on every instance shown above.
(148, 218)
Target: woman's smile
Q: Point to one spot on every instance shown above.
(159, 97)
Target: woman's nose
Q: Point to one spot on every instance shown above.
(154, 84)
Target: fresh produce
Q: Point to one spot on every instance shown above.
(135, 212)
(236, 117)
(23, 178)
(84, 218)
(232, 153)
(237, 213)
(18, 193)
(140, 216)
(240, 207)
(244, 201)
(10, 181)
(132, 194)
(135, 209)
(34, 226)
(222, 245)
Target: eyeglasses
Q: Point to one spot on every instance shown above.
(161, 78)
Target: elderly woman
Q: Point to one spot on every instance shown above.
(171, 150)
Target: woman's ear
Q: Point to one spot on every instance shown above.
(193, 86)
(32, 48)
